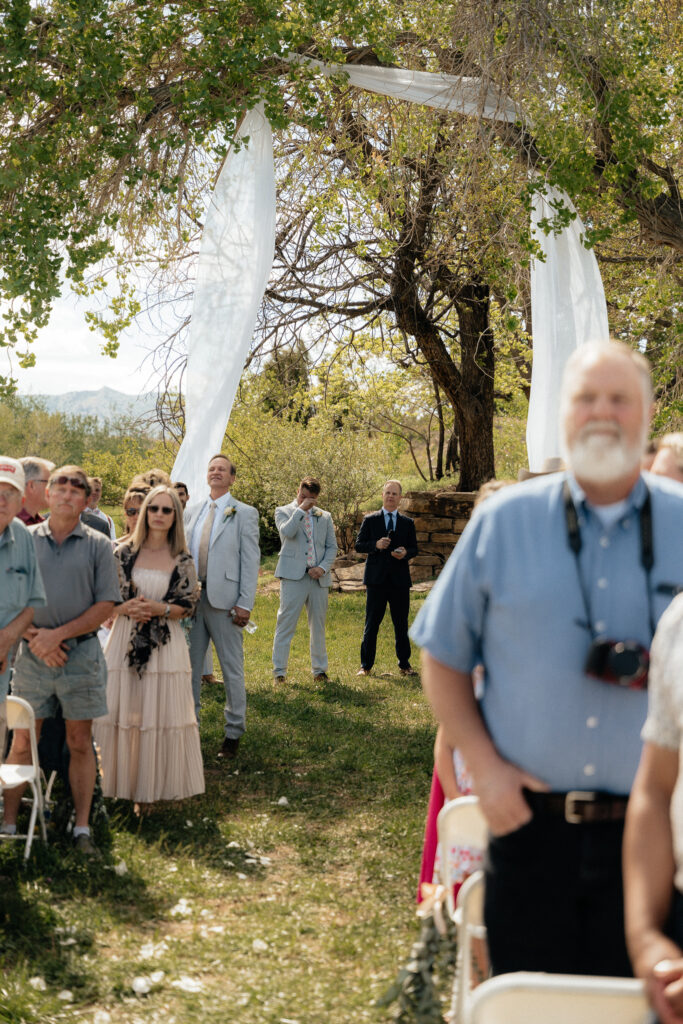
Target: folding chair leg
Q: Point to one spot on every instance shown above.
(453, 1013)
(31, 823)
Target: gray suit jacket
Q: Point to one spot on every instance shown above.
(234, 555)
(291, 564)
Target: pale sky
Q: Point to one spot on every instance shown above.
(68, 357)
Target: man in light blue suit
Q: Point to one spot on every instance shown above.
(223, 536)
(309, 547)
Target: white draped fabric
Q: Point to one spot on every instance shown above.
(467, 96)
(568, 308)
(567, 298)
(235, 259)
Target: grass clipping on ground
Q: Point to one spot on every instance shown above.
(285, 894)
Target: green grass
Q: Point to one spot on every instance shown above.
(324, 883)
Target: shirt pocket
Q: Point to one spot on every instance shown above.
(14, 593)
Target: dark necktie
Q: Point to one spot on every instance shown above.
(391, 521)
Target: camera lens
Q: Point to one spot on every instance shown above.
(624, 662)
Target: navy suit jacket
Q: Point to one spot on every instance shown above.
(381, 567)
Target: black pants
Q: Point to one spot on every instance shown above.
(377, 598)
(554, 899)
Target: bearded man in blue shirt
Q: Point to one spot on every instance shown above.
(556, 587)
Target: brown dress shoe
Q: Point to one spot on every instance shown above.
(363, 672)
(279, 679)
(229, 748)
(321, 677)
(409, 671)
(211, 679)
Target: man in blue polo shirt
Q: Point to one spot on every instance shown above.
(556, 587)
(21, 586)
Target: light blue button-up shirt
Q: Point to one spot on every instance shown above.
(21, 585)
(509, 597)
(221, 505)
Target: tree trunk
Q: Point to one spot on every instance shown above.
(474, 406)
(442, 432)
(452, 455)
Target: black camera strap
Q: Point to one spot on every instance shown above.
(647, 554)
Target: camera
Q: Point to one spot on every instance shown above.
(620, 662)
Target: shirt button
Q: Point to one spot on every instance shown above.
(600, 626)
(602, 583)
(589, 769)
(592, 722)
(604, 542)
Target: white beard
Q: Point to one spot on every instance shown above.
(600, 457)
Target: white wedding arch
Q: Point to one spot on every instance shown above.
(236, 255)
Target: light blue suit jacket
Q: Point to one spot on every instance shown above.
(234, 555)
(291, 564)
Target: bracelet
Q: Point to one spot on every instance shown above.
(167, 611)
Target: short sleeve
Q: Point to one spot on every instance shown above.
(36, 589)
(450, 624)
(106, 572)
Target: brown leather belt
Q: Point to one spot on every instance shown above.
(578, 807)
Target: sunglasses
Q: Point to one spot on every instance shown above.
(130, 512)
(75, 481)
(165, 510)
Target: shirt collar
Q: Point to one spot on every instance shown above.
(43, 530)
(7, 535)
(388, 513)
(223, 501)
(634, 500)
(28, 519)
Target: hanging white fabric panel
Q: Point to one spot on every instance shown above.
(445, 92)
(235, 258)
(568, 308)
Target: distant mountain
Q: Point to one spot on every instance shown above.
(105, 404)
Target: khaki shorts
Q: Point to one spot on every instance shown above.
(80, 686)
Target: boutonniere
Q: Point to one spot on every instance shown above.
(230, 511)
(317, 512)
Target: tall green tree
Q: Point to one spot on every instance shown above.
(116, 116)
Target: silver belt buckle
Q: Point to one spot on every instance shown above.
(572, 799)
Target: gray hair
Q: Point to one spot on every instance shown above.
(34, 467)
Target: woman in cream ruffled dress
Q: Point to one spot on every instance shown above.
(149, 739)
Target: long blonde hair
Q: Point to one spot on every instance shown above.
(176, 533)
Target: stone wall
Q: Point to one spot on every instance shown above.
(439, 516)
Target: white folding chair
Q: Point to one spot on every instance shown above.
(529, 998)
(20, 716)
(461, 823)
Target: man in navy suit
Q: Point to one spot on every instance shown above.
(389, 540)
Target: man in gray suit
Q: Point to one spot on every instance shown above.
(309, 547)
(223, 537)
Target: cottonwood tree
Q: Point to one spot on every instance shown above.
(394, 241)
(600, 86)
(116, 116)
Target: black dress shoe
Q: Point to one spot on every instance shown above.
(229, 748)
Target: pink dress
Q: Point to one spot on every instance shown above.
(462, 860)
(149, 740)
